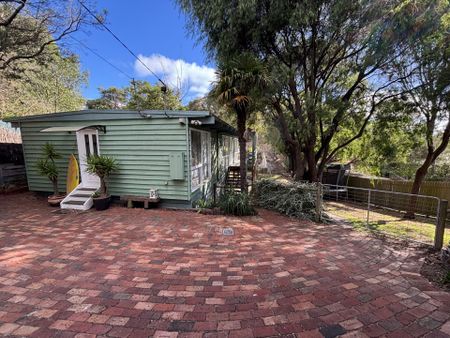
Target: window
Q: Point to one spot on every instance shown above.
(230, 151)
(196, 147)
(226, 151)
(235, 155)
(86, 144)
(94, 144)
(200, 158)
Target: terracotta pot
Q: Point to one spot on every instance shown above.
(54, 201)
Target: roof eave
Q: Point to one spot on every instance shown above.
(111, 114)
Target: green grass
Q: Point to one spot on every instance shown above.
(380, 220)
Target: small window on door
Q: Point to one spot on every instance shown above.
(94, 144)
(86, 145)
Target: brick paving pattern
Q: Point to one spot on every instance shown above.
(158, 273)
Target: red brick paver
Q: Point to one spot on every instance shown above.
(158, 273)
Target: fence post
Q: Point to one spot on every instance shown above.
(319, 196)
(368, 207)
(440, 224)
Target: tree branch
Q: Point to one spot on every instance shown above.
(14, 14)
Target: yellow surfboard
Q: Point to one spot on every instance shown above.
(73, 175)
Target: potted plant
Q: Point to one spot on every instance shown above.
(102, 166)
(47, 167)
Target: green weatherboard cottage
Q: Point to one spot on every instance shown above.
(179, 153)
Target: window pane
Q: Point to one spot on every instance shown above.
(196, 147)
(86, 145)
(94, 144)
(206, 155)
(195, 178)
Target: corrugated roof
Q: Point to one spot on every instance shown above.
(112, 114)
(117, 114)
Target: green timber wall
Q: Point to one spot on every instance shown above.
(141, 146)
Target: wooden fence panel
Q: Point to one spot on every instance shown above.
(440, 189)
(11, 153)
(12, 177)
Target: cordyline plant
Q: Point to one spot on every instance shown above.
(103, 167)
(47, 166)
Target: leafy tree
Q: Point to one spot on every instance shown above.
(144, 95)
(428, 90)
(139, 95)
(238, 81)
(28, 29)
(211, 104)
(331, 61)
(43, 88)
(110, 98)
(391, 144)
(198, 104)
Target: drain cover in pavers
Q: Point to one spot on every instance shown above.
(228, 231)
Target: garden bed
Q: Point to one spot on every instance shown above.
(436, 270)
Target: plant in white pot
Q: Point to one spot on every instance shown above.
(103, 167)
(47, 167)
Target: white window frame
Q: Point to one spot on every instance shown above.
(205, 139)
(231, 157)
(235, 155)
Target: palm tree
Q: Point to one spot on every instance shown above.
(239, 81)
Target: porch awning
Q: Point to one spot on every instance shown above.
(70, 129)
(212, 123)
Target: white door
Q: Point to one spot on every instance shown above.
(88, 144)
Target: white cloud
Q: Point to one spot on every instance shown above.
(193, 80)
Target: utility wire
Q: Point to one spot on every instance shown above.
(122, 43)
(102, 58)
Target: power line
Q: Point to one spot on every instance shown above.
(121, 42)
(102, 58)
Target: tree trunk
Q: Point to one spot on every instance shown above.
(290, 157)
(418, 179)
(241, 124)
(299, 165)
(55, 187)
(103, 187)
(321, 168)
(312, 165)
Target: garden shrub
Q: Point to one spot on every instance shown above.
(236, 203)
(295, 199)
(204, 204)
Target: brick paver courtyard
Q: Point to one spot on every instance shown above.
(139, 273)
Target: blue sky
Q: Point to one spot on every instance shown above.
(156, 31)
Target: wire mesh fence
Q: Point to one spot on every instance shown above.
(399, 214)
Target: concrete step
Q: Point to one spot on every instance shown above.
(87, 189)
(74, 202)
(81, 195)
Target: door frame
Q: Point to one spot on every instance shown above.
(87, 179)
(205, 154)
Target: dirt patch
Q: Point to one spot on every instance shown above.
(436, 270)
